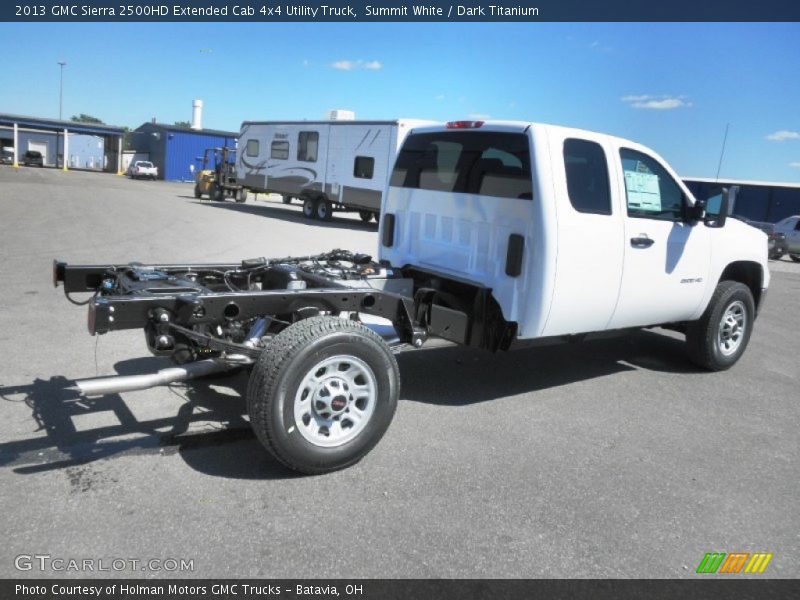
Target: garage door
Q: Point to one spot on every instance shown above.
(40, 146)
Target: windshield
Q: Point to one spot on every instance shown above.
(144, 164)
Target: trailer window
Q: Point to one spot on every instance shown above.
(252, 147)
(307, 145)
(364, 167)
(587, 177)
(279, 150)
(467, 162)
(650, 190)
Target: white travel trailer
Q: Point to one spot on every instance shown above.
(328, 165)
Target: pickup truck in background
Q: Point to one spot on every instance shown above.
(493, 235)
(143, 169)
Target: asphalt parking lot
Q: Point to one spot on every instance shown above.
(607, 459)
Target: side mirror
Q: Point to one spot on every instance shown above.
(719, 206)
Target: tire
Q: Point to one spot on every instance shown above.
(215, 193)
(324, 210)
(286, 199)
(719, 338)
(197, 192)
(310, 208)
(292, 395)
(795, 257)
(241, 196)
(365, 215)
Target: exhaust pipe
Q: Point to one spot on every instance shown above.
(128, 383)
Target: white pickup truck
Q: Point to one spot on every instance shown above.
(493, 235)
(143, 169)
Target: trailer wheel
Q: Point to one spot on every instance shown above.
(365, 215)
(241, 196)
(310, 208)
(324, 209)
(718, 339)
(322, 394)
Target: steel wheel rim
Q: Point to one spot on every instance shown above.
(308, 208)
(732, 328)
(335, 401)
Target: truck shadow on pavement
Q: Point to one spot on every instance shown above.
(279, 211)
(210, 430)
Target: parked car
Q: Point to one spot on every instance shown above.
(790, 228)
(33, 158)
(143, 169)
(7, 156)
(776, 240)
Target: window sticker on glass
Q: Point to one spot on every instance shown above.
(643, 191)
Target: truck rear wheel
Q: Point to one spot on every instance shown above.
(310, 208)
(324, 209)
(322, 394)
(718, 339)
(241, 196)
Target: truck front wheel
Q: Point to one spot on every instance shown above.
(322, 394)
(718, 339)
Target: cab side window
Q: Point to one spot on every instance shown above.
(650, 190)
(587, 177)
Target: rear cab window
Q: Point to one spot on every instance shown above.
(475, 162)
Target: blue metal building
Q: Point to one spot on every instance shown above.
(762, 201)
(173, 148)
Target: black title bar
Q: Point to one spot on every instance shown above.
(265, 11)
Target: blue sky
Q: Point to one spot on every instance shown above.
(673, 87)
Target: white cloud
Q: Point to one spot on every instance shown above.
(795, 165)
(352, 65)
(783, 135)
(650, 102)
(478, 116)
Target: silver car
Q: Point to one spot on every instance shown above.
(790, 228)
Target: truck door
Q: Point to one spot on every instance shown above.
(589, 230)
(667, 259)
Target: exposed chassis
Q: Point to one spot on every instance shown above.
(210, 307)
(324, 383)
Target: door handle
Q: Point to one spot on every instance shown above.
(642, 241)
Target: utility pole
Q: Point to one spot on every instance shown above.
(61, 64)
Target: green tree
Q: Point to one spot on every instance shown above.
(84, 118)
(183, 124)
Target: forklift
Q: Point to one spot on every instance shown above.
(217, 176)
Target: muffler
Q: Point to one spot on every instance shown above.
(100, 386)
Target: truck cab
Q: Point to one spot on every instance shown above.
(572, 231)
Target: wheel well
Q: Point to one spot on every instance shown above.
(749, 273)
